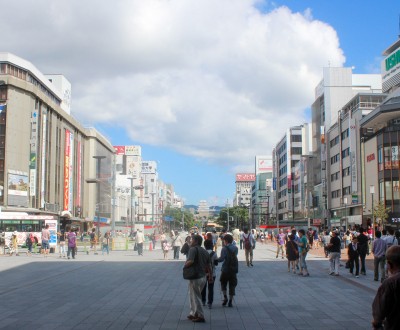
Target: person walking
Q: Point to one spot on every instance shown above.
(29, 243)
(386, 304)
(208, 245)
(153, 240)
(199, 258)
(93, 241)
(45, 241)
(139, 240)
(71, 243)
(292, 253)
(303, 253)
(353, 256)
(106, 243)
(241, 239)
(379, 247)
(229, 269)
(363, 249)
(334, 253)
(177, 243)
(61, 242)
(280, 242)
(248, 242)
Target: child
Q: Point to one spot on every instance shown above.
(354, 255)
(166, 246)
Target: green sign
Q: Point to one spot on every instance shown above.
(392, 60)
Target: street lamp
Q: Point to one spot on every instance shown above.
(132, 206)
(345, 213)
(372, 191)
(97, 182)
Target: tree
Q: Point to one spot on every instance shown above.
(176, 214)
(240, 216)
(381, 212)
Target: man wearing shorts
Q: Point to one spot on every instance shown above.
(45, 241)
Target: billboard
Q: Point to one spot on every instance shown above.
(67, 172)
(133, 150)
(119, 150)
(149, 167)
(244, 177)
(263, 164)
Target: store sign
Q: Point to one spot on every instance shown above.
(392, 60)
(245, 177)
(370, 158)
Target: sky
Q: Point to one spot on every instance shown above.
(202, 85)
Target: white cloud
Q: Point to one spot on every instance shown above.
(217, 80)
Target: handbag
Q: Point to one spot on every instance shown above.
(191, 273)
(347, 266)
(296, 251)
(135, 247)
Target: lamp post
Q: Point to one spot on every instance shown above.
(132, 202)
(227, 207)
(345, 213)
(97, 182)
(372, 191)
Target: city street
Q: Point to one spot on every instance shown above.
(127, 291)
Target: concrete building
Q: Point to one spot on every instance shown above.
(337, 87)
(380, 141)
(46, 155)
(286, 154)
(244, 183)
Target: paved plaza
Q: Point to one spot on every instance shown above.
(127, 291)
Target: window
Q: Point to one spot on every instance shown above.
(345, 152)
(295, 138)
(335, 159)
(346, 171)
(335, 194)
(335, 176)
(296, 150)
(334, 141)
(345, 134)
(346, 191)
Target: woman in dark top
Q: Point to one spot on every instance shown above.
(353, 254)
(292, 253)
(363, 248)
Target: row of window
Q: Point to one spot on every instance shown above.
(334, 141)
(297, 151)
(335, 159)
(281, 149)
(282, 159)
(283, 170)
(345, 152)
(345, 134)
(337, 193)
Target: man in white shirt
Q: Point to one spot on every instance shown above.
(139, 242)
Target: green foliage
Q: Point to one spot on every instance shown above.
(240, 217)
(176, 214)
(380, 213)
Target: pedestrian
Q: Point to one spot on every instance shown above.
(229, 269)
(303, 250)
(379, 251)
(248, 242)
(166, 247)
(71, 243)
(208, 245)
(186, 246)
(61, 242)
(29, 243)
(241, 239)
(310, 236)
(200, 259)
(326, 239)
(45, 241)
(363, 248)
(386, 305)
(353, 256)
(139, 240)
(280, 242)
(153, 239)
(177, 243)
(106, 243)
(93, 241)
(334, 253)
(292, 253)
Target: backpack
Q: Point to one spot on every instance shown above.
(105, 240)
(233, 263)
(28, 241)
(247, 244)
(390, 244)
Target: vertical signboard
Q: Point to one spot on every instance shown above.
(71, 167)
(66, 169)
(353, 153)
(79, 175)
(53, 232)
(43, 158)
(32, 159)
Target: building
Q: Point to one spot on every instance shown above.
(285, 156)
(203, 210)
(244, 183)
(380, 141)
(337, 87)
(46, 155)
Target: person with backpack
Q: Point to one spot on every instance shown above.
(303, 250)
(248, 243)
(208, 245)
(229, 269)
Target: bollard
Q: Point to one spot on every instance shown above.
(150, 247)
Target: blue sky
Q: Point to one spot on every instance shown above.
(364, 29)
(202, 85)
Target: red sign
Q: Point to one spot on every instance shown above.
(243, 177)
(370, 158)
(316, 221)
(119, 150)
(67, 153)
